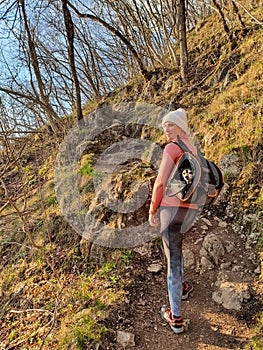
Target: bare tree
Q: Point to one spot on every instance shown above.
(57, 59)
(225, 25)
(181, 28)
(43, 97)
(69, 25)
(116, 32)
(236, 11)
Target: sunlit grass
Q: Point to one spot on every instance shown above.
(61, 310)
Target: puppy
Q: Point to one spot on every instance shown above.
(187, 175)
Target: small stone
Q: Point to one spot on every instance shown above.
(126, 339)
(226, 265)
(141, 302)
(155, 268)
(198, 240)
(186, 323)
(258, 270)
(237, 268)
(207, 222)
(212, 249)
(222, 223)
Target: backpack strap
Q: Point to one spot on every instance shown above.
(182, 145)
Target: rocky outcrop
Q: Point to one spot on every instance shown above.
(232, 295)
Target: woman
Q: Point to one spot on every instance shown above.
(176, 217)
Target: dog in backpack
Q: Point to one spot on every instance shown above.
(187, 175)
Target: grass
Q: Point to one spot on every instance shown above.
(256, 342)
(60, 309)
(229, 116)
(82, 331)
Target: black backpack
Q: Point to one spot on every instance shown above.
(194, 179)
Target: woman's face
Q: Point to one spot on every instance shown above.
(171, 131)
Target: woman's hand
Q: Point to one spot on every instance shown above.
(153, 220)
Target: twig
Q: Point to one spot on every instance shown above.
(21, 132)
(52, 323)
(31, 310)
(9, 165)
(16, 243)
(10, 299)
(243, 7)
(25, 229)
(14, 199)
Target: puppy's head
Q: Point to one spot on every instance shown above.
(188, 175)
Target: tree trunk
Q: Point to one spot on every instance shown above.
(69, 25)
(181, 29)
(226, 28)
(50, 113)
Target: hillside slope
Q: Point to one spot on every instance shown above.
(59, 291)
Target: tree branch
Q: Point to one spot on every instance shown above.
(115, 32)
(21, 216)
(254, 18)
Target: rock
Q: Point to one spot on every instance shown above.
(222, 223)
(207, 222)
(230, 246)
(198, 240)
(231, 164)
(155, 268)
(126, 339)
(232, 295)
(189, 258)
(225, 265)
(155, 154)
(257, 271)
(206, 264)
(212, 250)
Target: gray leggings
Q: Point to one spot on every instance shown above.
(174, 222)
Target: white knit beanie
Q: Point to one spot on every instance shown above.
(177, 117)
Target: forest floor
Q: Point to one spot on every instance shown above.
(210, 325)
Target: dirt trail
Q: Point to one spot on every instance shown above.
(211, 326)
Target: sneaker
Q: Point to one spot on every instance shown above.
(176, 323)
(187, 289)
